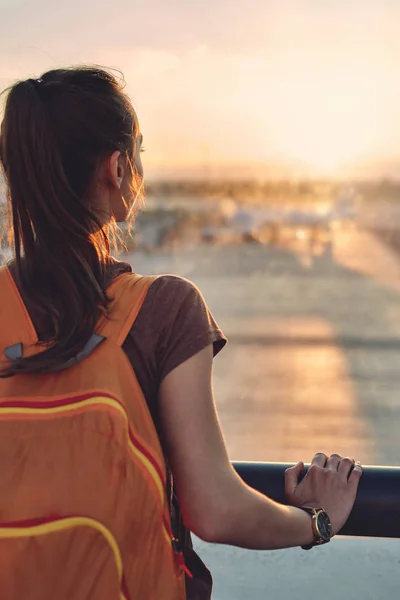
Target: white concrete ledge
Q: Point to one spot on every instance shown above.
(345, 569)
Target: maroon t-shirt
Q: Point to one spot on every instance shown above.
(173, 324)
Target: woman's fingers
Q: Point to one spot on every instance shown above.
(292, 479)
(346, 467)
(333, 462)
(319, 459)
(355, 475)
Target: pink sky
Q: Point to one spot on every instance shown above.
(233, 87)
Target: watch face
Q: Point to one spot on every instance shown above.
(324, 526)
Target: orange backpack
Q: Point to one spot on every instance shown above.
(83, 507)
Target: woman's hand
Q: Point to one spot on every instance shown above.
(330, 483)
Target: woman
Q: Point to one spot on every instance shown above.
(70, 149)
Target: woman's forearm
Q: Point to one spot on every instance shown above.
(250, 520)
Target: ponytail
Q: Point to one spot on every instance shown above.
(52, 137)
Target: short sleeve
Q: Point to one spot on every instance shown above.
(173, 325)
(187, 325)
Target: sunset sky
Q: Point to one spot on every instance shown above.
(239, 87)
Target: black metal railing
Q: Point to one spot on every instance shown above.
(376, 512)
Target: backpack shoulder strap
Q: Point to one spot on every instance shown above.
(18, 335)
(16, 327)
(127, 293)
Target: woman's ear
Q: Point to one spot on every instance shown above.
(116, 169)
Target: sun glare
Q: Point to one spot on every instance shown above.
(325, 125)
(326, 144)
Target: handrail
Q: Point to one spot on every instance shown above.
(376, 512)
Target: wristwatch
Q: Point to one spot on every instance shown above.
(321, 526)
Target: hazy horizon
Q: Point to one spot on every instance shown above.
(297, 87)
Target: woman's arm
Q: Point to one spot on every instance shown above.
(216, 505)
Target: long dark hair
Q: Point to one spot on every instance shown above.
(55, 131)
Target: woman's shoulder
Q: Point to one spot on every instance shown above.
(174, 296)
(162, 284)
(174, 284)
